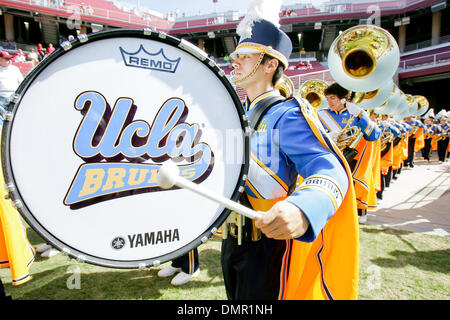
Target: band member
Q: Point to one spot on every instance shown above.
(342, 113)
(308, 245)
(16, 251)
(429, 132)
(416, 126)
(336, 118)
(186, 267)
(387, 153)
(443, 135)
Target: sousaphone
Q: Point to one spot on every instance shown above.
(314, 92)
(363, 57)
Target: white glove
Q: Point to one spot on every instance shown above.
(353, 109)
(334, 135)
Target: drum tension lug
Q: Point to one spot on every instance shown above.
(8, 116)
(248, 131)
(66, 45)
(83, 37)
(10, 187)
(18, 204)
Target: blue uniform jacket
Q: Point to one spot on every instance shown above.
(430, 129)
(284, 145)
(338, 120)
(385, 126)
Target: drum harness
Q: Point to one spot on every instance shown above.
(237, 225)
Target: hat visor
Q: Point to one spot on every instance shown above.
(241, 50)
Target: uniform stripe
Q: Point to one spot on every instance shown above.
(329, 121)
(264, 182)
(362, 182)
(364, 203)
(267, 169)
(262, 96)
(370, 126)
(327, 185)
(285, 269)
(18, 281)
(335, 205)
(324, 285)
(359, 161)
(253, 189)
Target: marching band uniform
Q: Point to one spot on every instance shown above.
(419, 136)
(322, 263)
(362, 165)
(335, 122)
(442, 144)
(387, 156)
(16, 252)
(429, 133)
(412, 145)
(400, 149)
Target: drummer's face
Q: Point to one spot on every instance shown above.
(244, 64)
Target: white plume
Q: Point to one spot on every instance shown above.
(259, 9)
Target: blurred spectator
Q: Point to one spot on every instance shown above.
(41, 52)
(20, 56)
(50, 49)
(89, 10)
(10, 76)
(299, 65)
(33, 57)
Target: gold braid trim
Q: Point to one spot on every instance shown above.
(265, 49)
(261, 56)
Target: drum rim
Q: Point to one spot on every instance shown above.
(21, 206)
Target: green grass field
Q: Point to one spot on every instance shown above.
(394, 265)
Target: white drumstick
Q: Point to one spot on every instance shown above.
(169, 175)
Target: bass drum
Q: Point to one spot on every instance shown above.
(91, 125)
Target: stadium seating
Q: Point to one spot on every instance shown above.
(24, 67)
(428, 56)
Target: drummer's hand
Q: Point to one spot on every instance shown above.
(283, 221)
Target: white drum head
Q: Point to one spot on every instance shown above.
(91, 128)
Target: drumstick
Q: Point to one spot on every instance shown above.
(169, 175)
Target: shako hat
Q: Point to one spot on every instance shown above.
(259, 32)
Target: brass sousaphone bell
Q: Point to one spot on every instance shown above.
(314, 92)
(363, 57)
(375, 98)
(423, 105)
(390, 106)
(411, 107)
(286, 86)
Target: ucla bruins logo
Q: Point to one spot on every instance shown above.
(122, 156)
(262, 127)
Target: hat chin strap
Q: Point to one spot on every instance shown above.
(261, 56)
